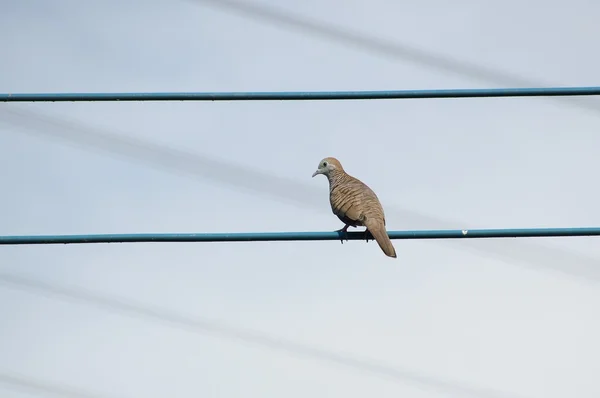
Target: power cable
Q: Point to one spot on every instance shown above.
(380, 47)
(260, 339)
(524, 253)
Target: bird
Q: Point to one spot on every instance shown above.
(355, 204)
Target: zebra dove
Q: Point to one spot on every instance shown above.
(355, 203)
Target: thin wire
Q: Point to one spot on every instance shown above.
(518, 252)
(375, 45)
(301, 95)
(28, 383)
(294, 236)
(263, 340)
(381, 47)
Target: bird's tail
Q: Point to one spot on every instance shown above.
(377, 229)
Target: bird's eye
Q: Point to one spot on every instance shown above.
(324, 164)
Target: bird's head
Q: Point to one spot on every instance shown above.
(328, 165)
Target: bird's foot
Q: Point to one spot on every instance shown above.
(344, 232)
(367, 235)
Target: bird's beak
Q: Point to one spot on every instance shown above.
(316, 173)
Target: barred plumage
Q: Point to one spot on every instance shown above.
(354, 203)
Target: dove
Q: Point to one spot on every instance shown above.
(355, 204)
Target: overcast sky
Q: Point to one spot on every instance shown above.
(478, 318)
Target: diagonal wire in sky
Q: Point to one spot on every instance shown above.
(55, 390)
(380, 47)
(263, 340)
(525, 253)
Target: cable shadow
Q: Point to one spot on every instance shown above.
(30, 384)
(381, 47)
(524, 253)
(204, 326)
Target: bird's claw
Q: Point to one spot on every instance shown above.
(344, 231)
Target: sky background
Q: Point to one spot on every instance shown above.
(473, 318)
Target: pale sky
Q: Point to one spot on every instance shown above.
(472, 318)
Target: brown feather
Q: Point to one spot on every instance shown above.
(377, 229)
(355, 204)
